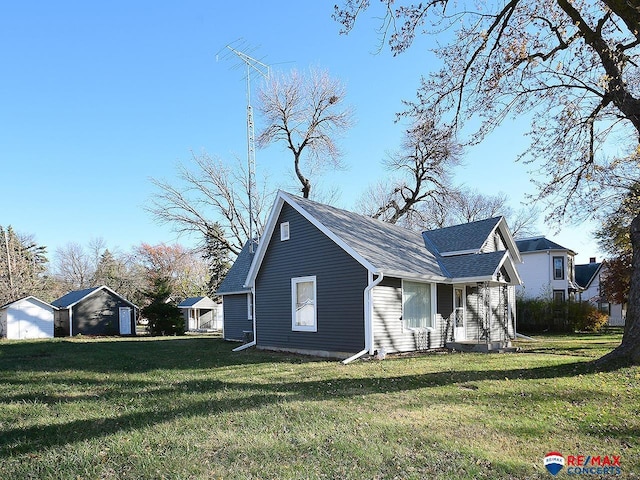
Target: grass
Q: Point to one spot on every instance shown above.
(187, 407)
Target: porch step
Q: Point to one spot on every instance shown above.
(482, 347)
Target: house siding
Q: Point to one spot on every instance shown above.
(236, 318)
(340, 284)
(389, 330)
(486, 309)
(495, 243)
(98, 314)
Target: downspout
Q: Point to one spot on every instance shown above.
(368, 320)
(252, 343)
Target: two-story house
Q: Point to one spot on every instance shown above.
(547, 270)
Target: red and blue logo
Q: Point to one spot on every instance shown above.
(583, 464)
(553, 461)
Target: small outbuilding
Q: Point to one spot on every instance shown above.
(94, 311)
(201, 313)
(26, 318)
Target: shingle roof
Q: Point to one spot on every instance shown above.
(465, 237)
(234, 280)
(585, 273)
(473, 265)
(383, 247)
(386, 247)
(73, 297)
(538, 244)
(204, 302)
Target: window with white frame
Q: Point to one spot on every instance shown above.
(303, 304)
(249, 306)
(416, 305)
(558, 268)
(284, 231)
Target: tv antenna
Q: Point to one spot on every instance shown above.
(253, 65)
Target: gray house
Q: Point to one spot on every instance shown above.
(331, 282)
(237, 299)
(94, 311)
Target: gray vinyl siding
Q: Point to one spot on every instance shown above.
(99, 314)
(495, 243)
(389, 329)
(236, 316)
(340, 284)
(499, 321)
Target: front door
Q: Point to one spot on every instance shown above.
(125, 321)
(459, 332)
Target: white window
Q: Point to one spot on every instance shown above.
(249, 306)
(284, 231)
(416, 305)
(303, 304)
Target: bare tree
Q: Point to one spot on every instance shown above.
(307, 113)
(213, 193)
(575, 64)
(423, 172)
(73, 266)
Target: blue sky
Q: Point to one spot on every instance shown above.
(97, 97)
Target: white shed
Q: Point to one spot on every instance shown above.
(201, 313)
(28, 317)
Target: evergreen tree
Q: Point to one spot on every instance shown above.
(216, 253)
(22, 266)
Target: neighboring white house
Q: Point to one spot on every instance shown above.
(547, 270)
(588, 277)
(201, 313)
(26, 318)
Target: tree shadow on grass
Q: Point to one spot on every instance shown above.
(231, 396)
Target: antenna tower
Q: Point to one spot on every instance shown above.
(253, 65)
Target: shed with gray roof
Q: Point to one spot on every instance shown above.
(332, 282)
(94, 311)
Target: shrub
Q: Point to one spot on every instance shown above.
(164, 319)
(541, 315)
(593, 320)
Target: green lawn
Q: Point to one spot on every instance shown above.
(187, 407)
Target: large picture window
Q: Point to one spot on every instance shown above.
(416, 305)
(303, 304)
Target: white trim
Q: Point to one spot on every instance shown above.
(294, 307)
(463, 289)
(96, 290)
(432, 306)
(511, 246)
(460, 252)
(249, 306)
(285, 232)
(281, 199)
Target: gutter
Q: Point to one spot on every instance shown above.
(368, 321)
(252, 343)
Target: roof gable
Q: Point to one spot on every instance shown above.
(197, 302)
(30, 299)
(462, 238)
(394, 250)
(586, 273)
(70, 299)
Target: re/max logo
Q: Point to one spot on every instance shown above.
(593, 461)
